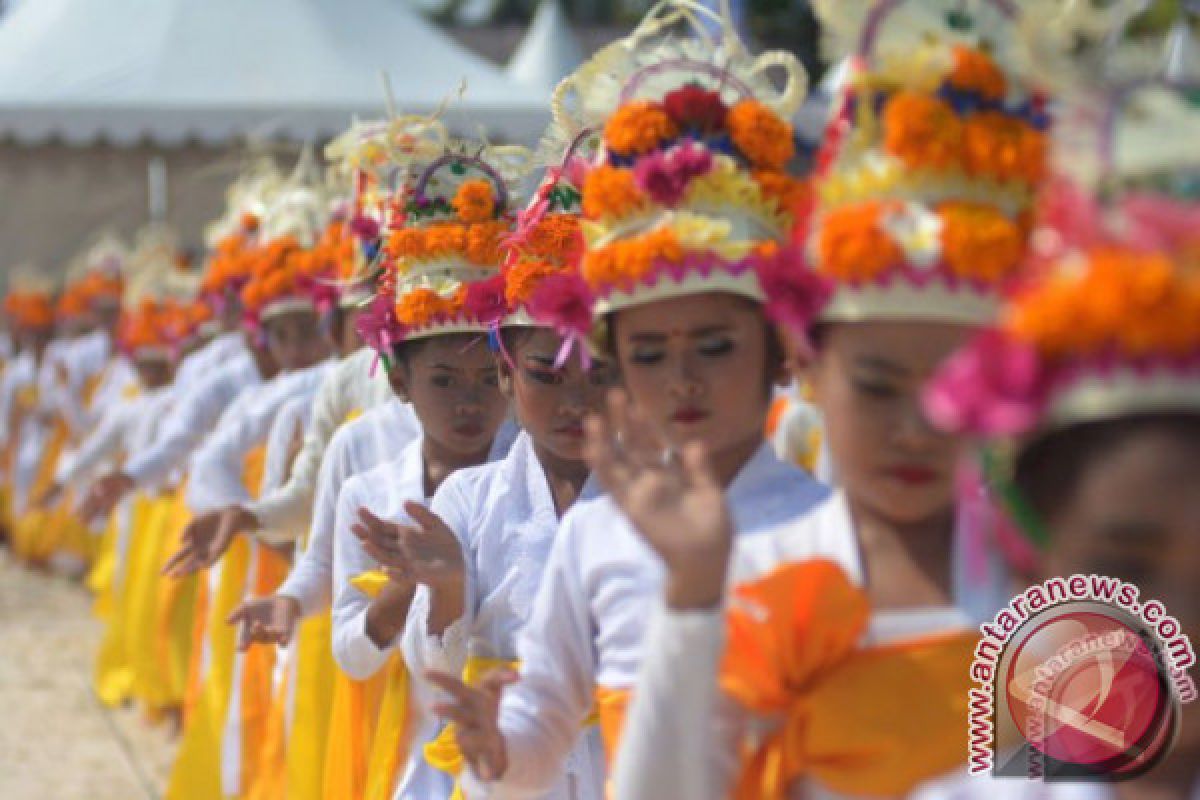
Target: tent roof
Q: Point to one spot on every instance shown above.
(549, 51)
(172, 70)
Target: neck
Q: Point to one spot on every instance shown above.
(906, 563)
(565, 477)
(728, 463)
(439, 461)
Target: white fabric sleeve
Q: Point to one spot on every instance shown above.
(190, 421)
(287, 507)
(677, 701)
(311, 580)
(355, 652)
(542, 715)
(215, 479)
(100, 444)
(447, 651)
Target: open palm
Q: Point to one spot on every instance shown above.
(673, 501)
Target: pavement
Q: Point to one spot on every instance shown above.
(56, 741)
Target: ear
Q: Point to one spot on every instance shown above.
(798, 355)
(505, 374)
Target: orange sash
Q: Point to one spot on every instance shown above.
(874, 721)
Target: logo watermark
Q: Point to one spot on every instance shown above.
(1077, 679)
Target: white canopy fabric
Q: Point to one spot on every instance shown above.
(172, 70)
(549, 51)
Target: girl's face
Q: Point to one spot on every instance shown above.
(867, 379)
(1134, 514)
(697, 366)
(452, 384)
(295, 340)
(153, 373)
(551, 403)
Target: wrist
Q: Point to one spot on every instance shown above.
(701, 588)
(446, 605)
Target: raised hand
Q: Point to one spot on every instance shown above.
(103, 494)
(674, 501)
(426, 552)
(265, 620)
(475, 712)
(206, 538)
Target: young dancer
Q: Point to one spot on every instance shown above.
(686, 213)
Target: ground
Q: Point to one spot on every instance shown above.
(56, 741)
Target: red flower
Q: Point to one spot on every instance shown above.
(795, 293)
(694, 107)
(485, 300)
(564, 303)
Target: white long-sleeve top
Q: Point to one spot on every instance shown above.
(215, 474)
(197, 364)
(354, 384)
(354, 651)
(682, 705)
(375, 437)
(590, 617)
(20, 372)
(109, 440)
(504, 516)
(282, 440)
(193, 416)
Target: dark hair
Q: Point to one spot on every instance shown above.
(1048, 471)
(513, 337)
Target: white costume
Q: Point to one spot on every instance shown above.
(590, 618)
(194, 415)
(505, 517)
(356, 383)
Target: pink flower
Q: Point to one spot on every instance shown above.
(563, 302)
(995, 386)
(665, 175)
(485, 300)
(795, 293)
(365, 228)
(1161, 223)
(378, 325)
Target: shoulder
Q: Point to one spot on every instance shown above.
(823, 531)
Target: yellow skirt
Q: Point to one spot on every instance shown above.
(312, 700)
(113, 675)
(144, 579)
(196, 773)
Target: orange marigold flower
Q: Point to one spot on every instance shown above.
(922, 131)
(638, 127)
(623, 263)
(975, 71)
(979, 242)
(483, 242)
(787, 192)
(524, 277)
(761, 135)
(1004, 148)
(555, 237)
(443, 240)
(610, 192)
(853, 246)
(420, 306)
(406, 243)
(474, 201)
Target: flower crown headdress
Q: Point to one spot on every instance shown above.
(930, 164)
(232, 238)
(689, 192)
(155, 322)
(1111, 326)
(449, 206)
(29, 302)
(289, 274)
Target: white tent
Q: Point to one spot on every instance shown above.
(168, 71)
(549, 51)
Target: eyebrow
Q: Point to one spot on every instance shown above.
(540, 360)
(880, 364)
(1132, 533)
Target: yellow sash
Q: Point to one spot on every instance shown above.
(443, 753)
(862, 721)
(315, 673)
